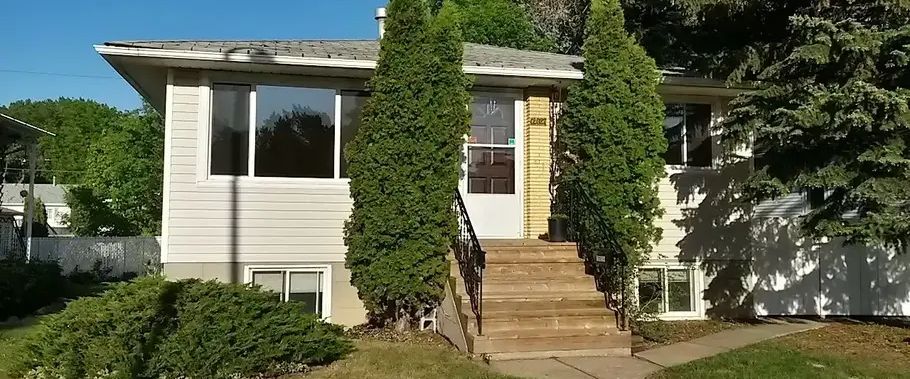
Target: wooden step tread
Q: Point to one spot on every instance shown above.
(547, 313)
(542, 296)
(547, 333)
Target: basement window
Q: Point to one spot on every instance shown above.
(308, 286)
(668, 291)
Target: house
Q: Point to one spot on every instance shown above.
(235, 210)
(53, 197)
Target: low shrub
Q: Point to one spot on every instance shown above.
(26, 287)
(152, 328)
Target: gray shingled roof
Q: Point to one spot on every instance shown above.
(366, 50)
(49, 193)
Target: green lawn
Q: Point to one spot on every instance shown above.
(11, 337)
(840, 350)
(387, 360)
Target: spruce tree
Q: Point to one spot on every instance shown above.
(404, 165)
(830, 114)
(610, 140)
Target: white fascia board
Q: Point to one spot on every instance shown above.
(317, 62)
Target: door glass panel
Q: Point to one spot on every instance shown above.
(650, 294)
(679, 290)
(491, 170)
(306, 287)
(270, 281)
(492, 120)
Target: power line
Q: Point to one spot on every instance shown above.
(47, 73)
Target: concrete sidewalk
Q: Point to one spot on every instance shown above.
(650, 361)
(683, 352)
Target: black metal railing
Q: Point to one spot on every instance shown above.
(471, 259)
(590, 228)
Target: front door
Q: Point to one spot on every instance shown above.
(492, 172)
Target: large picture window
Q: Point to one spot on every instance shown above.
(281, 131)
(688, 131)
(308, 286)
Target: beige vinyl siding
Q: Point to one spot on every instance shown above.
(270, 220)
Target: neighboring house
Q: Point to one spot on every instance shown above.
(53, 197)
(238, 211)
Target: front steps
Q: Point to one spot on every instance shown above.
(538, 303)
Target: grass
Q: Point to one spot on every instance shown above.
(380, 360)
(11, 337)
(659, 333)
(840, 350)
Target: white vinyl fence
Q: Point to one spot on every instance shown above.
(119, 255)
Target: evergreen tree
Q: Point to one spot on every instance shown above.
(830, 113)
(404, 165)
(611, 137)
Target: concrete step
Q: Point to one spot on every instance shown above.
(547, 343)
(569, 324)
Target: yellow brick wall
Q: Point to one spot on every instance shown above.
(537, 161)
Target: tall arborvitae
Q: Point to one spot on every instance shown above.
(404, 165)
(610, 140)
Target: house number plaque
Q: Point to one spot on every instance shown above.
(537, 121)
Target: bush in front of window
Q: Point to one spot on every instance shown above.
(152, 328)
(404, 165)
(610, 139)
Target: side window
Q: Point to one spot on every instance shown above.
(688, 131)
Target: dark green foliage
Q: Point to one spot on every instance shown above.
(152, 328)
(404, 165)
(499, 23)
(226, 328)
(27, 286)
(610, 140)
(831, 114)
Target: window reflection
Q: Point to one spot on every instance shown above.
(295, 132)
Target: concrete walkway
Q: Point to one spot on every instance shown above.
(650, 361)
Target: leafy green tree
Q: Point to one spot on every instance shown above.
(77, 123)
(404, 165)
(120, 193)
(830, 113)
(499, 23)
(611, 138)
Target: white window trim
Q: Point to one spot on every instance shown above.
(326, 284)
(717, 116)
(206, 88)
(697, 282)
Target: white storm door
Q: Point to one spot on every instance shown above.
(492, 173)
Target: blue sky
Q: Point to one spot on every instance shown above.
(56, 37)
